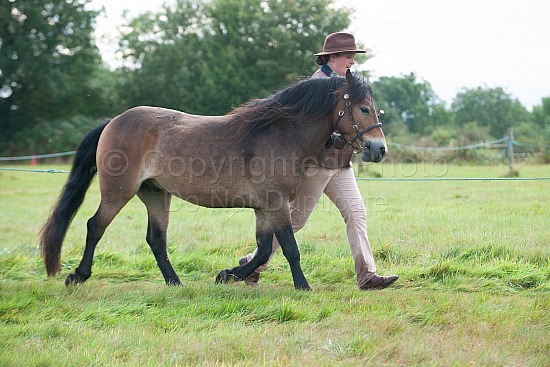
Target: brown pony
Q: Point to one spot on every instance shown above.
(254, 157)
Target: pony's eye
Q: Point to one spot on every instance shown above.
(365, 110)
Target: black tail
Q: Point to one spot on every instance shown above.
(82, 172)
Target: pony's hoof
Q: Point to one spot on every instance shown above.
(173, 282)
(226, 276)
(74, 279)
(303, 288)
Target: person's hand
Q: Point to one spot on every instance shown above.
(338, 141)
(335, 140)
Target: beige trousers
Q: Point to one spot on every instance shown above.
(341, 188)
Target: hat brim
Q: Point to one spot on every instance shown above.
(357, 51)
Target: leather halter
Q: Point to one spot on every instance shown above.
(358, 134)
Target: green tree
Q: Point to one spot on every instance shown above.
(411, 103)
(489, 107)
(534, 136)
(541, 114)
(47, 62)
(206, 57)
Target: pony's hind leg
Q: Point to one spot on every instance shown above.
(108, 209)
(157, 202)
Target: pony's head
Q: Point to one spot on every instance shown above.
(356, 119)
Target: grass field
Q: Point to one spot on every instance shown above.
(474, 288)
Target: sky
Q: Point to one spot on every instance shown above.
(452, 44)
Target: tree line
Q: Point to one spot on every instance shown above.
(206, 58)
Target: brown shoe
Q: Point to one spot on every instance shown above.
(378, 282)
(253, 278)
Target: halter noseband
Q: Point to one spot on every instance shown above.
(358, 134)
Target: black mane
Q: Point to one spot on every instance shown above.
(308, 99)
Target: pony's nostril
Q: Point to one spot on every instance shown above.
(383, 151)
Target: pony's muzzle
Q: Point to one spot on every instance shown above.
(374, 151)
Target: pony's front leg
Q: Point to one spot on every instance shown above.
(280, 222)
(286, 239)
(264, 241)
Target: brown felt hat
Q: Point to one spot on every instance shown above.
(339, 42)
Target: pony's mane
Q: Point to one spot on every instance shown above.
(305, 100)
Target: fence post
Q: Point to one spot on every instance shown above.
(359, 163)
(511, 149)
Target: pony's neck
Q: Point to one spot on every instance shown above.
(311, 137)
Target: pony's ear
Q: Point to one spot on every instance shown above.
(351, 79)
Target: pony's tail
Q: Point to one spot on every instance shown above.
(82, 172)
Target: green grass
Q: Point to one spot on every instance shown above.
(474, 288)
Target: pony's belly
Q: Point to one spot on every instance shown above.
(258, 197)
(218, 199)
